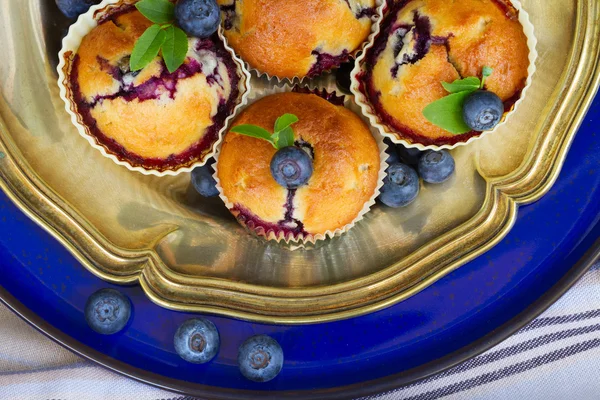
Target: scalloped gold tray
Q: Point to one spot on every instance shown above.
(190, 254)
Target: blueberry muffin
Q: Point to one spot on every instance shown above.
(291, 38)
(425, 42)
(345, 169)
(151, 118)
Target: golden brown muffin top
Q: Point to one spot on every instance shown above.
(346, 166)
(152, 118)
(430, 41)
(282, 37)
(112, 41)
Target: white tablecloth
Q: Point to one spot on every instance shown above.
(557, 356)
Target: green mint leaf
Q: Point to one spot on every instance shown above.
(286, 138)
(147, 47)
(275, 139)
(284, 121)
(447, 113)
(283, 136)
(253, 131)
(175, 48)
(485, 72)
(157, 11)
(471, 83)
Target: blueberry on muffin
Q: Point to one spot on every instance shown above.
(426, 42)
(317, 185)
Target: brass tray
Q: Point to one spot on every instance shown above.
(189, 254)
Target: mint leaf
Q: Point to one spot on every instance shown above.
(253, 131)
(175, 48)
(284, 121)
(485, 72)
(447, 113)
(286, 138)
(471, 83)
(147, 47)
(157, 11)
(283, 136)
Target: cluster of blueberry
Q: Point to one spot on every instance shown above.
(401, 185)
(260, 358)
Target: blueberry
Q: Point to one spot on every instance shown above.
(204, 182)
(199, 18)
(436, 166)
(107, 311)
(260, 358)
(482, 110)
(400, 186)
(291, 167)
(409, 155)
(197, 340)
(74, 8)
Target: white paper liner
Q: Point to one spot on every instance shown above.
(349, 103)
(388, 131)
(380, 7)
(84, 24)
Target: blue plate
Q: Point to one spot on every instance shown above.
(553, 242)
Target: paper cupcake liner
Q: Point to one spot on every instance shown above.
(349, 103)
(388, 131)
(380, 8)
(84, 24)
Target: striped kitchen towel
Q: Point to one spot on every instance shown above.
(556, 356)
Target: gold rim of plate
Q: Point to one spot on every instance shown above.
(503, 195)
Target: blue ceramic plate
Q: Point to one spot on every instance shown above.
(552, 243)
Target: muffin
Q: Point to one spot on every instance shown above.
(344, 182)
(290, 38)
(423, 43)
(151, 120)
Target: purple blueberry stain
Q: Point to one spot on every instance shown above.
(326, 61)
(154, 87)
(112, 70)
(253, 222)
(368, 12)
(421, 31)
(228, 11)
(288, 225)
(289, 222)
